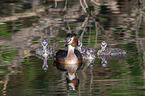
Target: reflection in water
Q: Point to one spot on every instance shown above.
(45, 66)
(72, 84)
(108, 57)
(44, 53)
(89, 62)
(71, 77)
(6, 79)
(70, 60)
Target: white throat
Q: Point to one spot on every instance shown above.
(71, 48)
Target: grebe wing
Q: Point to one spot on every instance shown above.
(78, 54)
(60, 55)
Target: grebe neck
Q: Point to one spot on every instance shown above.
(71, 48)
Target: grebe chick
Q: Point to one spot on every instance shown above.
(87, 53)
(45, 51)
(109, 51)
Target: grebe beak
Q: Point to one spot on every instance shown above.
(65, 44)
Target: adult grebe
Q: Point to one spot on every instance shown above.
(69, 60)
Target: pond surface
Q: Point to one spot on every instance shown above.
(25, 23)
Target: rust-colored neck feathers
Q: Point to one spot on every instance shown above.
(75, 41)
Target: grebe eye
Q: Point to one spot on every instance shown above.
(70, 39)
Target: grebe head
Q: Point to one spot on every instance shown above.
(103, 45)
(44, 43)
(71, 39)
(90, 50)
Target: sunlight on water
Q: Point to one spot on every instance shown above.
(31, 31)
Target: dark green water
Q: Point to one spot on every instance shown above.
(23, 25)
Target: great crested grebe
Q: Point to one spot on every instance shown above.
(69, 60)
(110, 51)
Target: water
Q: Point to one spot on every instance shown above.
(23, 25)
